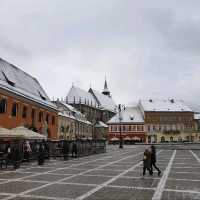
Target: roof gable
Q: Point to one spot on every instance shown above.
(77, 95)
(104, 101)
(14, 79)
(129, 115)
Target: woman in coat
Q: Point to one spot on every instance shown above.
(147, 162)
(153, 160)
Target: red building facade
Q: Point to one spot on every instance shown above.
(131, 126)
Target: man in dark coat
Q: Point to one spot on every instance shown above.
(41, 154)
(147, 162)
(74, 148)
(153, 160)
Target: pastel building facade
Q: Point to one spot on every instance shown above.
(72, 123)
(168, 120)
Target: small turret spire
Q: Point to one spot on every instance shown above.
(106, 90)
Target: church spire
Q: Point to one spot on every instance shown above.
(106, 90)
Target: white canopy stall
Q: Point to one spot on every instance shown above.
(27, 134)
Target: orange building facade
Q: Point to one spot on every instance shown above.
(28, 114)
(23, 102)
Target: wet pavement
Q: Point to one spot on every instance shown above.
(115, 175)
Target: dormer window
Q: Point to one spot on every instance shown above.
(150, 100)
(172, 100)
(131, 118)
(8, 78)
(42, 96)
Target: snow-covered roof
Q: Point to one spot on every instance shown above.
(92, 98)
(72, 113)
(101, 124)
(167, 105)
(19, 82)
(64, 114)
(104, 101)
(77, 95)
(197, 116)
(129, 115)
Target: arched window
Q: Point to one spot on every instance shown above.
(14, 109)
(162, 139)
(24, 112)
(3, 105)
(171, 139)
(62, 129)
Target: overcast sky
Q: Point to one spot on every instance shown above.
(146, 49)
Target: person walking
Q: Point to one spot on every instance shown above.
(147, 162)
(41, 154)
(153, 160)
(27, 151)
(74, 148)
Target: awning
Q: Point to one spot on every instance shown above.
(27, 134)
(114, 139)
(135, 138)
(6, 133)
(127, 138)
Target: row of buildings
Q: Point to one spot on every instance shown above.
(154, 120)
(23, 102)
(90, 114)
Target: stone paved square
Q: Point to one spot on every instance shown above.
(88, 179)
(180, 196)
(46, 177)
(62, 191)
(131, 182)
(115, 175)
(17, 187)
(104, 172)
(14, 175)
(119, 194)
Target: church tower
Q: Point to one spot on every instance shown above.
(106, 90)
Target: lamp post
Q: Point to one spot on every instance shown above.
(120, 122)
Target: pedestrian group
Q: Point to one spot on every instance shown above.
(149, 161)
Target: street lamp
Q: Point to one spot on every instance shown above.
(120, 107)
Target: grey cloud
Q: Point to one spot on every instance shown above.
(146, 49)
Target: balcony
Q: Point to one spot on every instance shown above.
(175, 132)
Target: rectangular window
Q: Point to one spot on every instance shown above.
(3, 105)
(47, 118)
(40, 116)
(24, 112)
(53, 120)
(124, 128)
(14, 109)
(33, 114)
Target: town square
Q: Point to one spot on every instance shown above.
(99, 100)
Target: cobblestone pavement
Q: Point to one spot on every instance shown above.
(116, 175)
